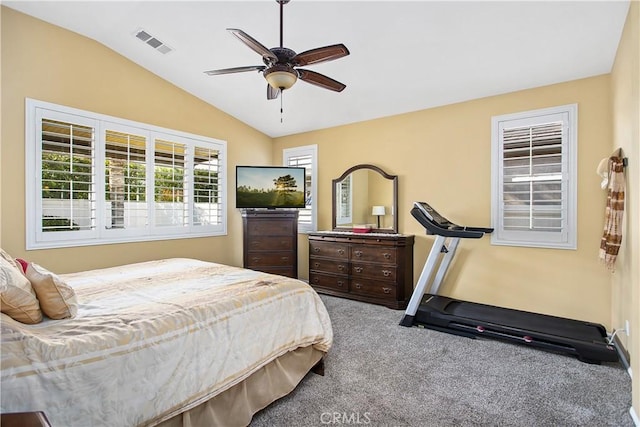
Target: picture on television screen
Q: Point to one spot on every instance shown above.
(270, 187)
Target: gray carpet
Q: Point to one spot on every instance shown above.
(382, 374)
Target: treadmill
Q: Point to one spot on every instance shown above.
(584, 340)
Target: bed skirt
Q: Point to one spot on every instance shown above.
(237, 405)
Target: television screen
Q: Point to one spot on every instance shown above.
(270, 187)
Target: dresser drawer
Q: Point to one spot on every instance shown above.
(282, 271)
(270, 227)
(329, 249)
(327, 281)
(329, 266)
(270, 243)
(274, 258)
(383, 254)
(373, 271)
(373, 288)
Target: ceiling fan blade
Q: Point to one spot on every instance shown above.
(235, 70)
(321, 54)
(254, 44)
(320, 80)
(271, 92)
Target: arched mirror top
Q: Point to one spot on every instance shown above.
(365, 198)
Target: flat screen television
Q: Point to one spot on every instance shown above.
(270, 187)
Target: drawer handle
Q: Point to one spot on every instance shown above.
(358, 253)
(340, 283)
(341, 267)
(358, 286)
(316, 280)
(358, 269)
(316, 264)
(387, 255)
(341, 251)
(284, 258)
(256, 258)
(386, 290)
(316, 249)
(386, 273)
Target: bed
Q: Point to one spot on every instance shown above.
(175, 342)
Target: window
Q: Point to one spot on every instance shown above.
(534, 178)
(305, 157)
(344, 194)
(94, 179)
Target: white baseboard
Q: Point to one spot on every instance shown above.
(634, 417)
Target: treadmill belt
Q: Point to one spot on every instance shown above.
(549, 325)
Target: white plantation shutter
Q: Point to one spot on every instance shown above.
(93, 179)
(171, 191)
(534, 176)
(62, 202)
(305, 157)
(207, 181)
(125, 181)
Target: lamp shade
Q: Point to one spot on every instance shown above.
(280, 77)
(378, 210)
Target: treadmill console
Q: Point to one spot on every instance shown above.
(435, 223)
(433, 215)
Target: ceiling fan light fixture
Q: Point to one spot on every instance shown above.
(281, 77)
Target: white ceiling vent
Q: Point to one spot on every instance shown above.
(152, 41)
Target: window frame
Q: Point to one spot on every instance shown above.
(311, 151)
(567, 237)
(100, 234)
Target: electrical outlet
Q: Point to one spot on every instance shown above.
(626, 327)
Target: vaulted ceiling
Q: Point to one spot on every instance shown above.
(405, 55)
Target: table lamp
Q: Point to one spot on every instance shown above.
(378, 211)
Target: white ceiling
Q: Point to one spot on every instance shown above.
(405, 56)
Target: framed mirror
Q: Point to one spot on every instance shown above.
(364, 197)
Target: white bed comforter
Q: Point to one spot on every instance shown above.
(153, 339)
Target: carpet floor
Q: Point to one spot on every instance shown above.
(381, 374)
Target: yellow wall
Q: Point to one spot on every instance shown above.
(625, 283)
(48, 63)
(443, 156)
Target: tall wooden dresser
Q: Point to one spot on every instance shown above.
(270, 241)
(369, 267)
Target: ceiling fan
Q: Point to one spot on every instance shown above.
(280, 63)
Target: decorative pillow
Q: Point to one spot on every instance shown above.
(9, 258)
(17, 297)
(22, 264)
(57, 299)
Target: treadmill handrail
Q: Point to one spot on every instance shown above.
(448, 229)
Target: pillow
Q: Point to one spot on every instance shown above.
(57, 299)
(9, 258)
(23, 264)
(17, 297)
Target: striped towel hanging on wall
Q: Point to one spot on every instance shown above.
(612, 237)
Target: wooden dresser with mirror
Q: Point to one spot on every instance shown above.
(375, 266)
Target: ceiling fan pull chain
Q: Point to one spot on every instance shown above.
(281, 97)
